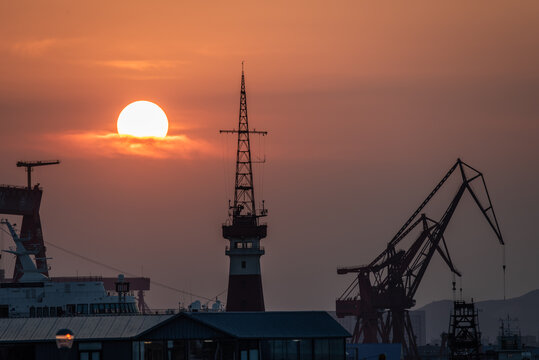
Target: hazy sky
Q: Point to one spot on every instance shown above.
(367, 106)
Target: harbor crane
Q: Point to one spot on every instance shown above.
(31, 164)
(383, 291)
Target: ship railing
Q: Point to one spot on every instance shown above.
(77, 278)
(259, 248)
(177, 311)
(13, 186)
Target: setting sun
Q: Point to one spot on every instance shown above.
(143, 119)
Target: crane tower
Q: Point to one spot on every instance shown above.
(384, 290)
(25, 201)
(243, 229)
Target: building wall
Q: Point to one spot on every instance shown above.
(419, 325)
(22, 352)
(231, 349)
(115, 350)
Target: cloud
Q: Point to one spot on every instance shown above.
(114, 145)
(33, 48)
(139, 65)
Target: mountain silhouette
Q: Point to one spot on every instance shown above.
(524, 309)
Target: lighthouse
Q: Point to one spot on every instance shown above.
(243, 229)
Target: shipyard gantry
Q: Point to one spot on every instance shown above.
(383, 291)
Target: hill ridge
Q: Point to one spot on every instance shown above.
(525, 308)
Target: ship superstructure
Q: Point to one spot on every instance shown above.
(34, 294)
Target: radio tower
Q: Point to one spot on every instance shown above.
(244, 231)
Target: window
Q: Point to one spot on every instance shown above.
(321, 349)
(82, 308)
(243, 264)
(177, 349)
(154, 350)
(336, 349)
(248, 350)
(329, 349)
(90, 351)
(283, 350)
(70, 309)
(4, 311)
(306, 349)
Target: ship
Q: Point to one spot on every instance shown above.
(35, 294)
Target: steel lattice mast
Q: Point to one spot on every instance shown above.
(245, 232)
(244, 197)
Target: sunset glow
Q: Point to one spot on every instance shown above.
(367, 104)
(143, 119)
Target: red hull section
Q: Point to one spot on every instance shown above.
(15, 200)
(245, 293)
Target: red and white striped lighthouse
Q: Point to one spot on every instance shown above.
(244, 230)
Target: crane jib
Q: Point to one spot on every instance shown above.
(380, 306)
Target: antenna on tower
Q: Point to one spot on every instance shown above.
(244, 206)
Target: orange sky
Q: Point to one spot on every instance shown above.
(367, 106)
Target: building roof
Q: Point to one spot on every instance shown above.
(273, 324)
(84, 327)
(200, 325)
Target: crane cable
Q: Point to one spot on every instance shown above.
(504, 267)
(124, 272)
(128, 273)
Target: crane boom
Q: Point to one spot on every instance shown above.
(384, 290)
(30, 164)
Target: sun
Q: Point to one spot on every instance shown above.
(143, 119)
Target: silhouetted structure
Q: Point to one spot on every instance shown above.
(464, 338)
(29, 165)
(26, 201)
(384, 290)
(244, 231)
